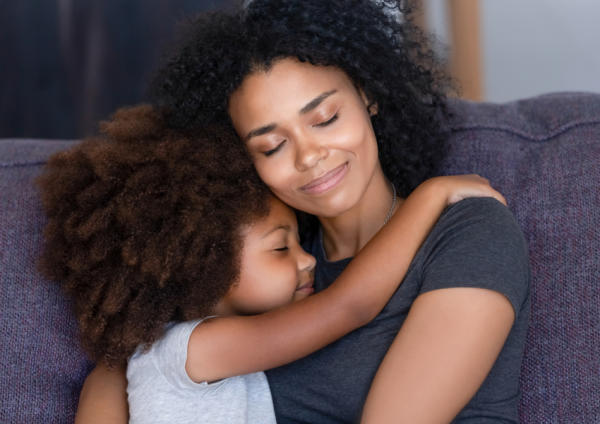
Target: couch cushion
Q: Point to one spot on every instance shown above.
(42, 366)
(543, 154)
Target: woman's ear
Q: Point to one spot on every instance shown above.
(371, 107)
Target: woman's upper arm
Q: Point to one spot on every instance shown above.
(475, 284)
(440, 357)
(103, 397)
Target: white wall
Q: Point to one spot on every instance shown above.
(531, 47)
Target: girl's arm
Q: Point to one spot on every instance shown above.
(244, 344)
(103, 398)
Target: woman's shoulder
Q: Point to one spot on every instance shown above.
(486, 209)
(477, 242)
(484, 224)
(480, 219)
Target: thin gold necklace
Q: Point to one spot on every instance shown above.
(391, 211)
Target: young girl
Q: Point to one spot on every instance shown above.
(179, 261)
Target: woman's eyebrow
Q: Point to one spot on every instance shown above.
(316, 102)
(260, 131)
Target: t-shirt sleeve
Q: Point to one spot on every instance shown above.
(478, 243)
(169, 354)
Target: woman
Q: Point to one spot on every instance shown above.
(341, 108)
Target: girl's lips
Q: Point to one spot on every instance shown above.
(327, 181)
(307, 287)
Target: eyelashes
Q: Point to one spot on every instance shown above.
(320, 125)
(329, 121)
(270, 152)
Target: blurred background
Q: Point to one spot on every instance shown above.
(502, 50)
(65, 64)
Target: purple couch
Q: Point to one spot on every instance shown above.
(542, 153)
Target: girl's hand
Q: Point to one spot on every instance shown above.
(458, 187)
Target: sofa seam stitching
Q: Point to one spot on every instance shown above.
(21, 164)
(554, 133)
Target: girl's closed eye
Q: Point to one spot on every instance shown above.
(281, 249)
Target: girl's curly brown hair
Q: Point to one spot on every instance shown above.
(144, 227)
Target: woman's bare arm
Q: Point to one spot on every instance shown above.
(103, 398)
(441, 356)
(240, 345)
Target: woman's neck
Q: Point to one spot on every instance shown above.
(346, 234)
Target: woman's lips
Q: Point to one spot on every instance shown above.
(327, 181)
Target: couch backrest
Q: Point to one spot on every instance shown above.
(42, 365)
(543, 154)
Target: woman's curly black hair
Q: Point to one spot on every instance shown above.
(144, 226)
(374, 41)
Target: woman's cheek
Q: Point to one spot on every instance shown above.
(275, 172)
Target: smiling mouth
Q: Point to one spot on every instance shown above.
(308, 286)
(326, 181)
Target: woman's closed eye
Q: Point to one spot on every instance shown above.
(281, 249)
(320, 124)
(275, 149)
(329, 121)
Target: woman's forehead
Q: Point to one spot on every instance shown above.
(287, 75)
(288, 85)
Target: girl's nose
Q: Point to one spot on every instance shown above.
(306, 261)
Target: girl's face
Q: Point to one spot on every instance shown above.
(309, 133)
(275, 270)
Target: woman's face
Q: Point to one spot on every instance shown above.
(309, 133)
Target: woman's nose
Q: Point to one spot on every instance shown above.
(309, 153)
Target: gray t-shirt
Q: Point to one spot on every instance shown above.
(476, 243)
(159, 389)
